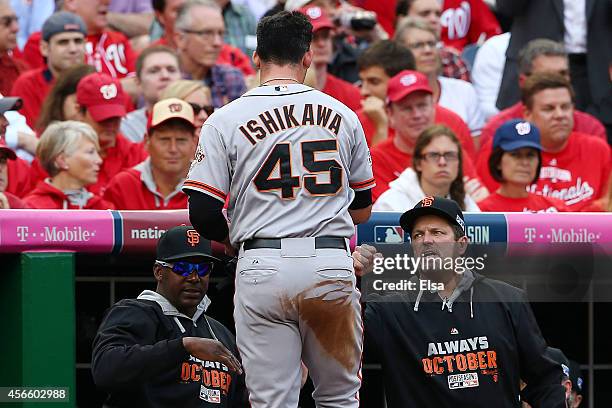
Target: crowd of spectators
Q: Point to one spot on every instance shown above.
(444, 96)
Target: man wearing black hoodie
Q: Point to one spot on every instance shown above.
(466, 345)
(161, 350)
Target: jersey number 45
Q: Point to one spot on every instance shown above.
(279, 162)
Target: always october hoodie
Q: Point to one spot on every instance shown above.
(469, 350)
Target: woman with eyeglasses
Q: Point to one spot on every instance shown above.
(453, 94)
(69, 153)
(436, 171)
(515, 163)
(195, 93)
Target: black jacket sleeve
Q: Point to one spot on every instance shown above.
(372, 333)
(542, 375)
(125, 351)
(206, 216)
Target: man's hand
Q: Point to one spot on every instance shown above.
(212, 350)
(375, 109)
(475, 189)
(363, 259)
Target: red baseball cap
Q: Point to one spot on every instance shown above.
(4, 149)
(317, 17)
(405, 83)
(102, 95)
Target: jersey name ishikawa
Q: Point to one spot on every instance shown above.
(278, 119)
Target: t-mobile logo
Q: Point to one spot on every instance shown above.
(530, 234)
(22, 233)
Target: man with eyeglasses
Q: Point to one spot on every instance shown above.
(424, 43)
(540, 56)
(160, 349)
(199, 37)
(63, 46)
(155, 184)
(411, 110)
(156, 68)
(10, 66)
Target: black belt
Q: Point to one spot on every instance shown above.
(275, 243)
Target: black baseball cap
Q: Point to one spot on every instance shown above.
(557, 356)
(431, 205)
(576, 377)
(183, 242)
(9, 103)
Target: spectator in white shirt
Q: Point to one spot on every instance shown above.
(487, 72)
(454, 94)
(437, 170)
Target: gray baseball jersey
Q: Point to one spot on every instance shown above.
(290, 158)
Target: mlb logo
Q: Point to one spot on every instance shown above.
(390, 234)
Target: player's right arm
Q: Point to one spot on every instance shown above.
(207, 185)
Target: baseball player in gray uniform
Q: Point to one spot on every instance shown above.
(294, 165)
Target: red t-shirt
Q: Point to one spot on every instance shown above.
(33, 86)
(10, 69)
(443, 116)
(388, 162)
(343, 91)
(123, 155)
(45, 196)
(127, 191)
(385, 12)
(577, 175)
(463, 21)
(583, 123)
(229, 55)
(109, 52)
(20, 180)
(14, 201)
(532, 203)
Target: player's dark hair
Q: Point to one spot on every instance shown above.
(541, 81)
(159, 5)
(456, 189)
(284, 38)
(391, 56)
(153, 49)
(495, 164)
(66, 84)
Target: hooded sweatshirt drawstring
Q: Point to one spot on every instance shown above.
(471, 303)
(466, 281)
(418, 300)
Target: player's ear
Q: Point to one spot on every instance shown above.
(158, 273)
(44, 48)
(307, 59)
(256, 60)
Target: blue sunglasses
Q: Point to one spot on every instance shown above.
(185, 268)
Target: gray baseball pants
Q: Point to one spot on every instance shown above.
(299, 303)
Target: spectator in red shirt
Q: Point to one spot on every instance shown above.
(466, 22)
(7, 200)
(542, 55)
(430, 11)
(411, 110)
(515, 163)
(156, 68)
(322, 47)
(575, 167)
(422, 40)
(63, 46)
(18, 178)
(379, 63)
(68, 151)
(166, 12)
(10, 67)
(60, 104)
(155, 184)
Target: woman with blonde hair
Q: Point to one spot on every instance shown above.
(436, 171)
(196, 94)
(69, 152)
